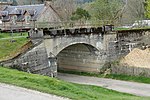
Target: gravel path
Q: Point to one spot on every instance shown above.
(9, 92)
(134, 88)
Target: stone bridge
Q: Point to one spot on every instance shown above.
(79, 49)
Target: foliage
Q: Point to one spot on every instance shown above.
(65, 8)
(106, 10)
(136, 9)
(62, 88)
(80, 14)
(147, 8)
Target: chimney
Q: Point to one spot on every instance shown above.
(48, 3)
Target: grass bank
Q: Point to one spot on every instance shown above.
(139, 79)
(7, 47)
(62, 88)
(9, 35)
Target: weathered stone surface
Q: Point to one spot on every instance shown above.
(79, 57)
(34, 61)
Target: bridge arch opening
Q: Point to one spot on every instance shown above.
(79, 57)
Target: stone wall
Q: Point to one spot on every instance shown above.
(134, 71)
(127, 41)
(33, 61)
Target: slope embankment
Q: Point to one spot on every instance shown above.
(18, 52)
(137, 63)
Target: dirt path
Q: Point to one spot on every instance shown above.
(9, 92)
(138, 89)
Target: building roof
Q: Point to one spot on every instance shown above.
(3, 13)
(39, 12)
(6, 19)
(33, 10)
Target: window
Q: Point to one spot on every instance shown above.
(14, 18)
(27, 19)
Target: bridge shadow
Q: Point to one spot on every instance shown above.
(79, 57)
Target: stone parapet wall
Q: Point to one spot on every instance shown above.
(127, 41)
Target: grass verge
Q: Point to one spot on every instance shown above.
(7, 47)
(136, 28)
(139, 79)
(9, 35)
(62, 88)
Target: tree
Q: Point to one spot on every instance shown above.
(147, 8)
(136, 9)
(80, 14)
(65, 8)
(106, 9)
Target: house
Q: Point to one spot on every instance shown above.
(27, 16)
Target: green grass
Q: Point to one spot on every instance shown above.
(7, 47)
(139, 79)
(9, 35)
(116, 29)
(122, 29)
(62, 88)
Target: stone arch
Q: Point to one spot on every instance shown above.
(57, 44)
(79, 57)
(92, 62)
(86, 59)
(74, 43)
